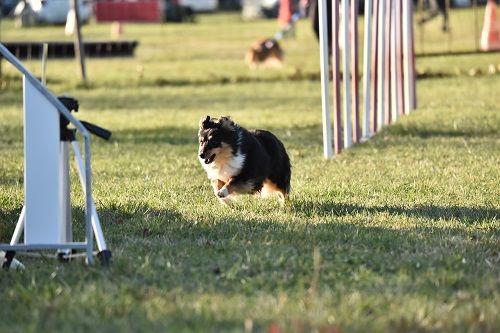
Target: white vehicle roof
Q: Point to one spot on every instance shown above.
(201, 5)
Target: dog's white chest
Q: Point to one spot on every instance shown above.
(226, 169)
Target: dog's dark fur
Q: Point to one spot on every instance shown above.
(238, 161)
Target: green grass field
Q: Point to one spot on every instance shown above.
(398, 234)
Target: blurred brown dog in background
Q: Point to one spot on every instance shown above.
(267, 52)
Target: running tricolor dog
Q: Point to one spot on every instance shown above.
(238, 161)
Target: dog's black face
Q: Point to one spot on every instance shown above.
(210, 143)
(213, 137)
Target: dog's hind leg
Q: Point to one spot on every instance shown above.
(282, 197)
(270, 188)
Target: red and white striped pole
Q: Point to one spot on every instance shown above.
(399, 69)
(381, 60)
(388, 67)
(408, 56)
(356, 132)
(394, 64)
(346, 77)
(387, 63)
(325, 102)
(367, 73)
(374, 64)
(412, 43)
(337, 125)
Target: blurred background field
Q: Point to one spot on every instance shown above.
(398, 234)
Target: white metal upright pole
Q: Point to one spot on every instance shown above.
(19, 227)
(96, 225)
(45, 54)
(325, 90)
(346, 51)
(15, 264)
(89, 237)
(66, 219)
(367, 67)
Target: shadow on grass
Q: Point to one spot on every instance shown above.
(143, 221)
(214, 253)
(162, 254)
(421, 131)
(433, 212)
(223, 233)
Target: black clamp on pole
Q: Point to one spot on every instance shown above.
(69, 134)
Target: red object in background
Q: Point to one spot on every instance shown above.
(490, 36)
(128, 10)
(285, 12)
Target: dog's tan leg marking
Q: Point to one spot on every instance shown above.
(269, 188)
(283, 197)
(234, 188)
(217, 184)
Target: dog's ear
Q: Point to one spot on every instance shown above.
(226, 122)
(204, 121)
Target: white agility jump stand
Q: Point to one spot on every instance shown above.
(46, 216)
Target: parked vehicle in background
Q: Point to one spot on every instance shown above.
(7, 7)
(200, 5)
(176, 12)
(33, 12)
(230, 4)
(270, 8)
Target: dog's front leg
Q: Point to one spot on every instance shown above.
(221, 191)
(217, 184)
(235, 187)
(224, 192)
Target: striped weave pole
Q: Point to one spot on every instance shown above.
(337, 126)
(412, 56)
(389, 68)
(374, 65)
(399, 70)
(367, 77)
(381, 60)
(394, 66)
(356, 131)
(387, 63)
(325, 101)
(345, 74)
(408, 56)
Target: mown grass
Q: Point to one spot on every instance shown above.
(398, 234)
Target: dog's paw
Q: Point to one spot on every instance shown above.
(223, 193)
(227, 201)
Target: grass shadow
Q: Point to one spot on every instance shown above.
(433, 212)
(426, 131)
